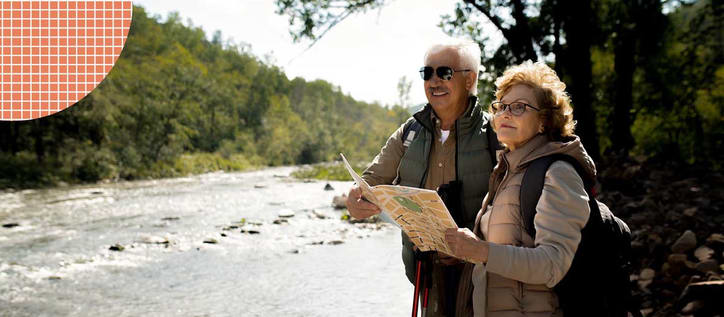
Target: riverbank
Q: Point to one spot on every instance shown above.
(675, 213)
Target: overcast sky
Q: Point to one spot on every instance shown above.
(365, 55)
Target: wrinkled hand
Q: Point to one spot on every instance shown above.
(465, 245)
(358, 207)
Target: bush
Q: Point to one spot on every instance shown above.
(327, 171)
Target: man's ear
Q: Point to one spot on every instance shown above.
(469, 80)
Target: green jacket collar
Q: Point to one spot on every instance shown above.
(464, 123)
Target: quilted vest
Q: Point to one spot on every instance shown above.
(473, 162)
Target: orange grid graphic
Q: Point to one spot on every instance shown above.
(54, 52)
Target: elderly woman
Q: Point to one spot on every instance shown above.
(514, 272)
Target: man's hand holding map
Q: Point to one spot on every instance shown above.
(421, 213)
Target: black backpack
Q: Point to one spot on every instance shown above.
(597, 283)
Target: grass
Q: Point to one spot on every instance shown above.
(327, 171)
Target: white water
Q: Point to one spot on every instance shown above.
(58, 262)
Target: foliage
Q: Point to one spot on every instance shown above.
(644, 76)
(328, 171)
(177, 103)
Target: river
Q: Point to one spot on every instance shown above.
(245, 244)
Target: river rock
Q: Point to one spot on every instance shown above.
(692, 307)
(286, 213)
(250, 231)
(319, 214)
(280, 221)
(686, 242)
(715, 238)
(707, 266)
(703, 253)
(10, 225)
(708, 293)
(328, 187)
(152, 239)
(690, 212)
(211, 241)
(676, 258)
(340, 202)
(647, 274)
(117, 247)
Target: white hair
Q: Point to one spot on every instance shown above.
(469, 54)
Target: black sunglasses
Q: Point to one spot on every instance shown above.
(443, 72)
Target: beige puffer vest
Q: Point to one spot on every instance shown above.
(502, 224)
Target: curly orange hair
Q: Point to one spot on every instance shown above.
(556, 112)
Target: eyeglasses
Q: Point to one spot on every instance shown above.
(443, 72)
(516, 108)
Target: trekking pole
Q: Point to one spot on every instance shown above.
(416, 295)
(427, 281)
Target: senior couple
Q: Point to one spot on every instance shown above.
(512, 273)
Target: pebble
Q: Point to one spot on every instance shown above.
(677, 258)
(334, 242)
(328, 187)
(319, 214)
(715, 238)
(286, 214)
(707, 266)
(211, 241)
(647, 274)
(686, 242)
(339, 202)
(703, 253)
(692, 307)
(117, 247)
(153, 240)
(250, 231)
(10, 225)
(690, 212)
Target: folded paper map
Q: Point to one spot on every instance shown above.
(419, 212)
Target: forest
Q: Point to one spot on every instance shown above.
(646, 77)
(177, 103)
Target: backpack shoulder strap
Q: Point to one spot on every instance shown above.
(411, 130)
(493, 143)
(531, 187)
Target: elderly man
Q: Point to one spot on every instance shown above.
(447, 145)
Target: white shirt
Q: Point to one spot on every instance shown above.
(443, 135)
